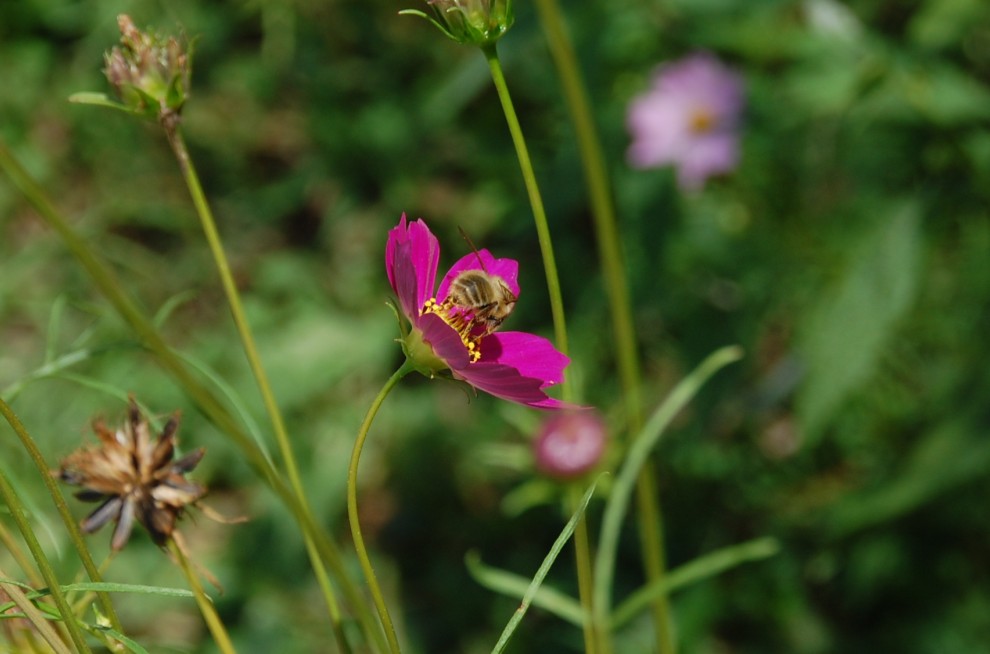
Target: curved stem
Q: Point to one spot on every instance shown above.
(352, 507)
(213, 621)
(627, 358)
(174, 133)
(63, 510)
(205, 400)
(535, 200)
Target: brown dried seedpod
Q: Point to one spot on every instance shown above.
(134, 477)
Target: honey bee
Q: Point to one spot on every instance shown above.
(486, 297)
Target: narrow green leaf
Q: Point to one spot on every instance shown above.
(692, 572)
(541, 573)
(54, 324)
(169, 306)
(507, 583)
(625, 481)
(109, 587)
(845, 335)
(129, 643)
(235, 399)
(100, 100)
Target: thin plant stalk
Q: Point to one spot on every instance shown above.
(535, 200)
(213, 621)
(585, 572)
(63, 510)
(47, 573)
(603, 213)
(17, 553)
(174, 133)
(352, 507)
(581, 541)
(205, 400)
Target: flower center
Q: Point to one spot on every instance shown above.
(701, 120)
(460, 321)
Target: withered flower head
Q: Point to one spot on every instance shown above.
(134, 477)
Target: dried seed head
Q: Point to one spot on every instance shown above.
(133, 477)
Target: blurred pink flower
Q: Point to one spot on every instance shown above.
(514, 366)
(570, 444)
(689, 119)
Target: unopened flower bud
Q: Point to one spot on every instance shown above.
(570, 444)
(150, 73)
(477, 22)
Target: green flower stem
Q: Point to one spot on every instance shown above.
(63, 510)
(535, 200)
(47, 573)
(213, 621)
(205, 400)
(352, 507)
(616, 286)
(585, 572)
(174, 134)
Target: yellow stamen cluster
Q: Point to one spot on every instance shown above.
(458, 323)
(702, 120)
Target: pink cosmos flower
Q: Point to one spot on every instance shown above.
(514, 366)
(688, 118)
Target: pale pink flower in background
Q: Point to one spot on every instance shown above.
(688, 119)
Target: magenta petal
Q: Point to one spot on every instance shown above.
(506, 383)
(396, 235)
(446, 342)
(507, 269)
(411, 256)
(533, 356)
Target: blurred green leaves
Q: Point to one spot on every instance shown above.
(846, 330)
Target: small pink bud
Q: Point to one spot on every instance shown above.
(570, 444)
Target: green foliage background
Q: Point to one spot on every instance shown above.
(849, 255)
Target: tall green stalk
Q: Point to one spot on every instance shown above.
(581, 541)
(352, 507)
(204, 399)
(63, 510)
(627, 358)
(585, 573)
(535, 200)
(174, 133)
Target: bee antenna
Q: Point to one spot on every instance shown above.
(473, 248)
